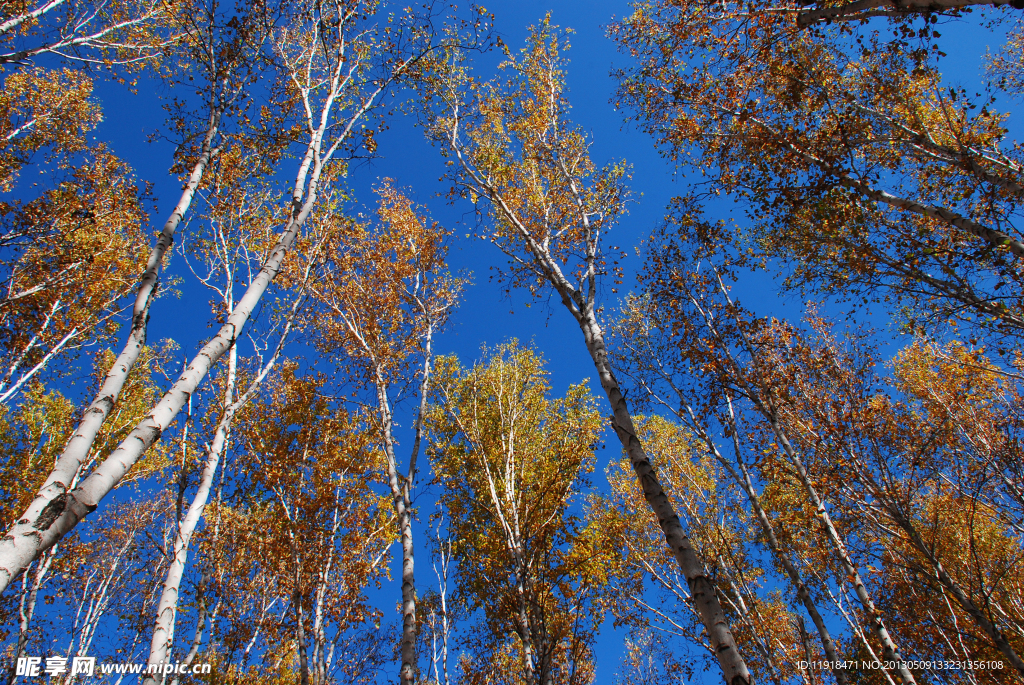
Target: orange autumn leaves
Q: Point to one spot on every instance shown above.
(854, 162)
(918, 469)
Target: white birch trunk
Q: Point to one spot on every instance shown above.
(64, 510)
(874, 617)
(167, 607)
(55, 511)
(27, 610)
(70, 462)
(163, 630)
(400, 500)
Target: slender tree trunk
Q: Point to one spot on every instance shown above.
(702, 589)
(401, 499)
(31, 535)
(197, 637)
(874, 617)
(70, 462)
(401, 502)
(802, 592)
(27, 610)
(805, 640)
(863, 9)
(441, 676)
(167, 608)
(525, 629)
(300, 636)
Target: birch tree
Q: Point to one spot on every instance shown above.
(735, 359)
(338, 60)
(514, 151)
(326, 531)
(511, 463)
(807, 401)
(391, 293)
(651, 595)
(930, 491)
(239, 223)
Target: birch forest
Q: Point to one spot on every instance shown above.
(550, 342)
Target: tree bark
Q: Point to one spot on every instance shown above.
(400, 500)
(167, 608)
(802, 592)
(300, 636)
(702, 589)
(77, 450)
(31, 535)
(27, 610)
(874, 617)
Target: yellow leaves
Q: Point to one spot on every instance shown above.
(953, 371)
(841, 151)
(34, 431)
(72, 255)
(32, 435)
(306, 467)
(43, 109)
(510, 463)
(386, 286)
(519, 150)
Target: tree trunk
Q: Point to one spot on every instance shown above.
(802, 592)
(702, 589)
(401, 502)
(27, 610)
(30, 536)
(805, 640)
(874, 617)
(864, 9)
(77, 450)
(167, 609)
(300, 636)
